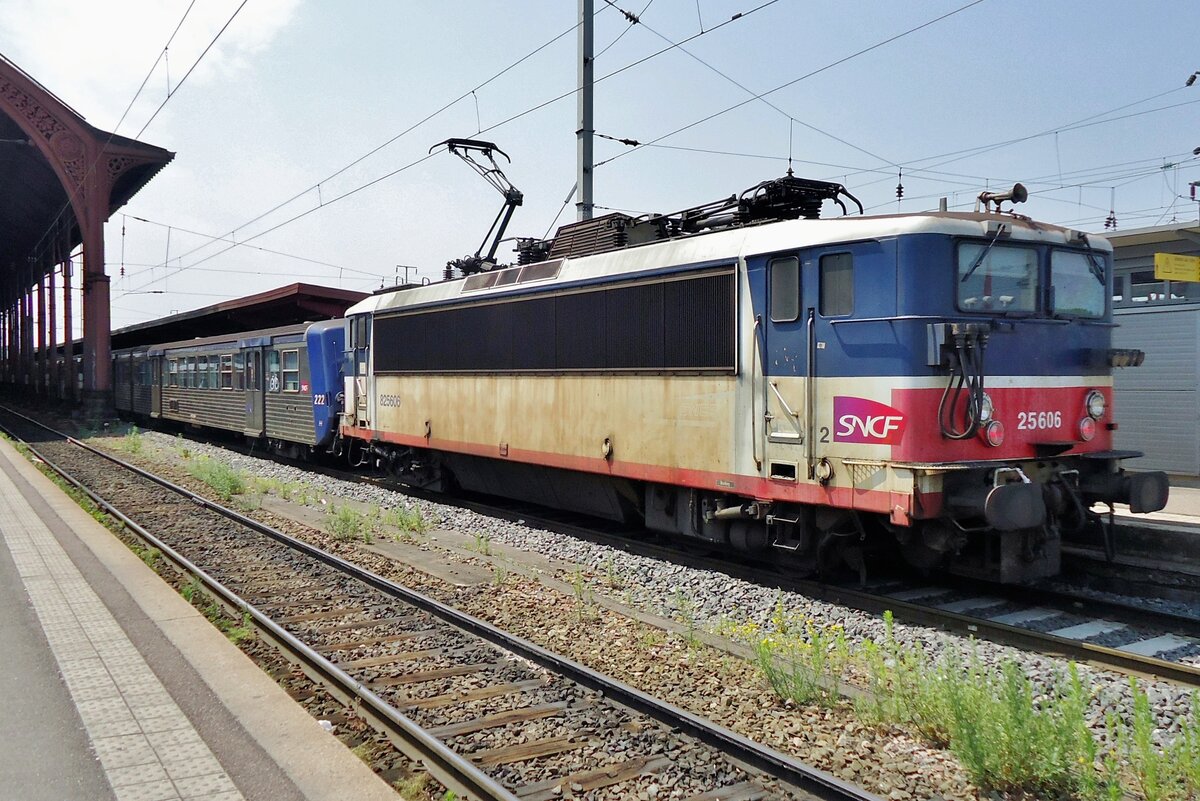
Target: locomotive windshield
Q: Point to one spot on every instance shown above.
(997, 278)
(1078, 280)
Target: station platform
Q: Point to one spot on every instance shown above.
(1183, 506)
(114, 687)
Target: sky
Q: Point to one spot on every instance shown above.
(302, 135)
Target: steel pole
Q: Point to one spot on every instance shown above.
(584, 132)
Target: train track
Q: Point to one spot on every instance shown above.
(1046, 620)
(490, 715)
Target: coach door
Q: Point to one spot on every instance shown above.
(156, 382)
(782, 367)
(255, 399)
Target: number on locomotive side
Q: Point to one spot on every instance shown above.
(1038, 421)
(319, 399)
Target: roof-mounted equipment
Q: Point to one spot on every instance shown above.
(1018, 194)
(786, 198)
(464, 149)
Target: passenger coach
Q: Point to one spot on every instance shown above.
(279, 385)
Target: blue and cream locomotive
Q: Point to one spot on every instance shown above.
(751, 375)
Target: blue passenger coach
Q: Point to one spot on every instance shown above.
(279, 386)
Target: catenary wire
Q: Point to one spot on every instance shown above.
(428, 156)
(794, 81)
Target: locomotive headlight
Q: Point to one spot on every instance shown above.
(1096, 404)
(993, 433)
(986, 409)
(1087, 429)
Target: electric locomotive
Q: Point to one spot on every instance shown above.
(749, 374)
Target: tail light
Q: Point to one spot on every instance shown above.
(1087, 429)
(993, 433)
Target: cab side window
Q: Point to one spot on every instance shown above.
(784, 276)
(837, 284)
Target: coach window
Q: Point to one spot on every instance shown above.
(172, 373)
(226, 371)
(291, 371)
(837, 284)
(785, 289)
(239, 370)
(202, 381)
(273, 383)
(214, 372)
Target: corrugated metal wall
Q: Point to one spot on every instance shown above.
(1157, 405)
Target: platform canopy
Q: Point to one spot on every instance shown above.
(294, 303)
(60, 179)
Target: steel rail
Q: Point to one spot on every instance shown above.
(911, 612)
(767, 760)
(455, 772)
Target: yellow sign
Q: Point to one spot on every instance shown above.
(1173, 267)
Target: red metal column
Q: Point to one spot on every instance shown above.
(52, 372)
(97, 360)
(68, 335)
(27, 331)
(41, 336)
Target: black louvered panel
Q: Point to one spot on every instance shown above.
(699, 323)
(580, 331)
(533, 334)
(482, 337)
(681, 324)
(634, 328)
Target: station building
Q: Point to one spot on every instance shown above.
(1158, 404)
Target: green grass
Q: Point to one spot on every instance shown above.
(482, 544)
(1170, 773)
(347, 524)
(414, 787)
(132, 441)
(222, 478)
(407, 519)
(230, 628)
(804, 662)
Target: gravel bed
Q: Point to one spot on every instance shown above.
(907, 768)
(578, 715)
(1181, 608)
(1119, 637)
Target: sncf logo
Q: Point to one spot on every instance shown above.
(862, 420)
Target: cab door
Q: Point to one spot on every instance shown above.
(356, 411)
(855, 348)
(255, 399)
(783, 363)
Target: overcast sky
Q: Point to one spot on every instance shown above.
(293, 92)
